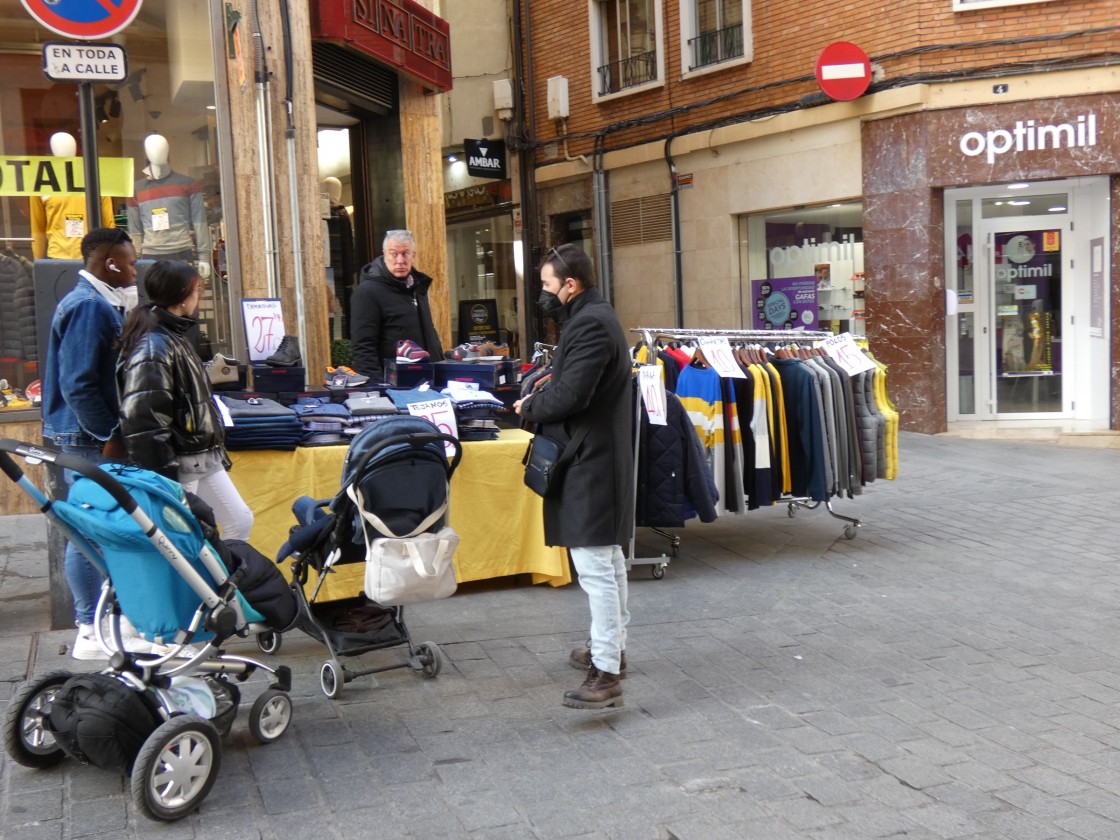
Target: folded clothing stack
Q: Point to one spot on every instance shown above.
(368, 408)
(476, 411)
(261, 423)
(324, 422)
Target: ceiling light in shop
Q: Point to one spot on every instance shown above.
(1021, 185)
(1058, 209)
(1020, 203)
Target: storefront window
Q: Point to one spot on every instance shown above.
(482, 280)
(336, 201)
(157, 141)
(811, 261)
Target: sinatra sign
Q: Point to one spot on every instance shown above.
(485, 158)
(1030, 136)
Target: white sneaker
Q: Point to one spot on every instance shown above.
(85, 645)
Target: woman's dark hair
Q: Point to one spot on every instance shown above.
(569, 260)
(166, 284)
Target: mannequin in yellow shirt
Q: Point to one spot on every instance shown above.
(58, 222)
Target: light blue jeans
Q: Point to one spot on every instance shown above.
(82, 577)
(602, 575)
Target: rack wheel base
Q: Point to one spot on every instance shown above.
(658, 571)
(429, 658)
(270, 716)
(176, 767)
(27, 733)
(850, 531)
(269, 642)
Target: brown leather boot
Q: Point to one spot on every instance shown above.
(581, 658)
(598, 691)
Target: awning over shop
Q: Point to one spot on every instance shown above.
(400, 34)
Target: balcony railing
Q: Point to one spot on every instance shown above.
(714, 47)
(635, 70)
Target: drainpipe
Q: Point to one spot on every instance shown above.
(293, 181)
(675, 210)
(264, 151)
(526, 104)
(600, 212)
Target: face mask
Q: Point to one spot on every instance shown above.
(130, 297)
(549, 303)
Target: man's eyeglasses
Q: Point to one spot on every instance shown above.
(554, 256)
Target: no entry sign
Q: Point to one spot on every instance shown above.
(843, 71)
(83, 19)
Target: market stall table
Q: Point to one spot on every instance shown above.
(498, 519)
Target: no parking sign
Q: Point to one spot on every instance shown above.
(83, 19)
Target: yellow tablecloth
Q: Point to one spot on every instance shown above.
(497, 518)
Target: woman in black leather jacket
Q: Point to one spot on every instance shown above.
(168, 418)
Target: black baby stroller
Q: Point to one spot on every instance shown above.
(158, 718)
(394, 495)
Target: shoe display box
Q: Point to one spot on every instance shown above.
(407, 374)
(488, 375)
(240, 384)
(269, 378)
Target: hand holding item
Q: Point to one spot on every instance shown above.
(114, 448)
(204, 270)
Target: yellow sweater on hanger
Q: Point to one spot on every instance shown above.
(58, 223)
(888, 410)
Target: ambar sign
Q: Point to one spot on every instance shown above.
(62, 176)
(485, 158)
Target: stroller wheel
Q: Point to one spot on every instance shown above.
(176, 767)
(269, 642)
(27, 732)
(331, 679)
(270, 716)
(430, 658)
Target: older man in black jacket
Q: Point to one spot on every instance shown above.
(390, 305)
(590, 388)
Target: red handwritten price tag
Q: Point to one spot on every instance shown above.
(846, 353)
(653, 394)
(264, 326)
(442, 414)
(717, 353)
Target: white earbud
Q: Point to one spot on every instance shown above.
(112, 267)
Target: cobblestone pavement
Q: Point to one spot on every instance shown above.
(952, 672)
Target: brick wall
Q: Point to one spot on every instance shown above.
(787, 41)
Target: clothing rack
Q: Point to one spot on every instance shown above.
(650, 337)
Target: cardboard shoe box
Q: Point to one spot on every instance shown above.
(407, 374)
(277, 379)
(488, 375)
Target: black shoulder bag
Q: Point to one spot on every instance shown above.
(546, 459)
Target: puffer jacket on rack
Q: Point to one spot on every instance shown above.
(17, 302)
(166, 408)
(867, 426)
(674, 479)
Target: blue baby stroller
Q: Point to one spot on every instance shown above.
(158, 718)
(395, 484)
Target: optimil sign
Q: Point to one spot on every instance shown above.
(485, 158)
(86, 20)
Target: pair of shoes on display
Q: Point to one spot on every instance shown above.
(410, 351)
(462, 353)
(581, 658)
(599, 691)
(353, 378)
(287, 354)
(493, 348)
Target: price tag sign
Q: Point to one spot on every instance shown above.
(717, 353)
(844, 351)
(264, 326)
(442, 414)
(653, 394)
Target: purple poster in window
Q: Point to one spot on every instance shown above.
(784, 303)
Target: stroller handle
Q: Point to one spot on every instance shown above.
(67, 461)
(416, 440)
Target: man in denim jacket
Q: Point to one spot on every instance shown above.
(81, 411)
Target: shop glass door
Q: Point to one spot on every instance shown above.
(1024, 314)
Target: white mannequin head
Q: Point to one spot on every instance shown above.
(157, 149)
(63, 145)
(333, 188)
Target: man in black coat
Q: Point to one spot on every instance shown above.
(593, 513)
(390, 305)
